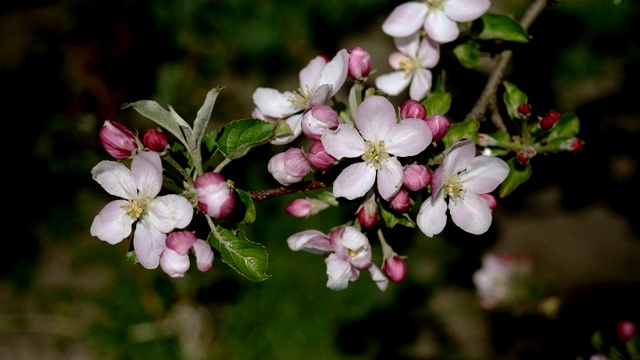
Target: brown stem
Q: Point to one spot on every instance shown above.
(504, 58)
(261, 195)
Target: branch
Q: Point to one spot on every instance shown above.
(504, 58)
(261, 195)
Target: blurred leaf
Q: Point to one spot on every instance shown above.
(518, 174)
(156, 113)
(468, 53)
(467, 129)
(240, 136)
(210, 139)
(250, 214)
(247, 258)
(513, 98)
(203, 116)
(437, 103)
(391, 220)
(499, 27)
(568, 127)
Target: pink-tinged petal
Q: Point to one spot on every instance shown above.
(339, 272)
(376, 275)
(432, 216)
(310, 75)
(408, 45)
(375, 117)
(116, 179)
(168, 212)
(484, 174)
(458, 157)
(335, 72)
(405, 19)
(394, 83)
(390, 177)
(275, 104)
(181, 241)
(408, 138)
(429, 53)
(471, 214)
(204, 255)
(437, 179)
(420, 85)
(295, 123)
(173, 263)
(396, 59)
(440, 28)
(354, 181)
(345, 141)
(112, 224)
(353, 239)
(312, 241)
(321, 95)
(466, 10)
(146, 169)
(148, 243)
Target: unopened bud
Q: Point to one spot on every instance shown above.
(305, 207)
(368, 212)
(289, 167)
(413, 109)
(215, 197)
(319, 158)
(573, 144)
(490, 200)
(439, 126)
(400, 201)
(524, 110)
(549, 120)
(626, 330)
(396, 268)
(525, 155)
(416, 177)
(359, 63)
(117, 140)
(317, 119)
(155, 140)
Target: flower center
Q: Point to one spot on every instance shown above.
(375, 153)
(436, 4)
(302, 96)
(135, 209)
(410, 64)
(454, 188)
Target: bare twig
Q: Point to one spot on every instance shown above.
(261, 195)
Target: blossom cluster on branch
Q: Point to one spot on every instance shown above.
(410, 166)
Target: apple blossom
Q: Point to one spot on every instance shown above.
(318, 157)
(317, 119)
(416, 177)
(155, 216)
(215, 196)
(117, 140)
(413, 109)
(289, 167)
(439, 125)
(378, 137)
(174, 260)
(305, 207)
(155, 140)
(359, 63)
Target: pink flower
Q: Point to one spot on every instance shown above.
(439, 126)
(215, 197)
(400, 201)
(439, 18)
(396, 268)
(155, 140)
(317, 119)
(289, 167)
(174, 260)
(461, 179)
(319, 158)
(412, 109)
(377, 139)
(303, 208)
(368, 212)
(416, 177)
(117, 140)
(359, 63)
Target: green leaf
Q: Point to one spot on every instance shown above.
(437, 103)
(203, 116)
(467, 129)
(249, 259)
(211, 139)
(499, 27)
(240, 136)
(513, 98)
(391, 220)
(568, 127)
(468, 53)
(518, 174)
(250, 213)
(156, 113)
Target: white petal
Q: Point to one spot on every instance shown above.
(168, 212)
(375, 117)
(405, 19)
(112, 224)
(376, 275)
(335, 72)
(471, 214)
(440, 28)
(339, 272)
(432, 216)
(466, 10)
(420, 85)
(174, 264)
(484, 174)
(390, 178)
(429, 53)
(148, 243)
(204, 255)
(345, 141)
(116, 179)
(310, 74)
(408, 45)
(353, 239)
(146, 169)
(313, 241)
(408, 138)
(354, 181)
(458, 157)
(393, 83)
(275, 104)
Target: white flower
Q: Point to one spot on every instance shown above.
(379, 137)
(439, 18)
(462, 178)
(413, 63)
(138, 188)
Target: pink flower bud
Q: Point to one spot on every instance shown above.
(439, 126)
(525, 155)
(289, 167)
(359, 63)
(572, 144)
(626, 330)
(368, 212)
(305, 207)
(412, 109)
(174, 260)
(117, 140)
(215, 197)
(400, 201)
(181, 241)
(486, 140)
(155, 140)
(416, 177)
(396, 268)
(549, 120)
(317, 119)
(524, 110)
(490, 200)
(319, 158)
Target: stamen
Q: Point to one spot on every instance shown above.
(454, 188)
(134, 209)
(302, 96)
(375, 153)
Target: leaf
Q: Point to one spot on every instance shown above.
(156, 113)
(467, 129)
(210, 139)
(468, 54)
(240, 136)
(518, 174)
(249, 259)
(391, 220)
(513, 98)
(567, 127)
(438, 103)
(250, 213)
(499, 27)
(204, 115)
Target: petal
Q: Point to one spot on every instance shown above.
(458, 157)
(376, 275)
(484, 174)
(275, 104)
(471, 214)
(390, 178)
(339, 272)
(466, 10)
(174, 264)
(112, 224)
(148, 243)
(393, 83)
(440, 28)
(405, 19)
(335, 72)
(429, 53)
(432, 216)
(168, 212)
(181, 241)
(375, 117)
(408, 138)
(408, 45)
(353, 239)
(344, 141)
(313, 241)
(396, 59)
(146, 169)
(420, 85)
(204, 255)
(115, 178)
(354, 181)
(310, 75)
